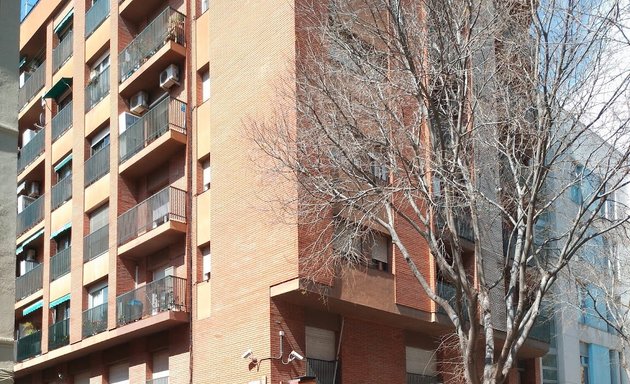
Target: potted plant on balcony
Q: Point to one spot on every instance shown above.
(27, 328)
(175, 26)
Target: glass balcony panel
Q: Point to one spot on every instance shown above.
(168, 204)
(167, 26)
(166, 294)
(30, 216)
(96, 243)
(60, 264)
(95, 320)
(97, 166)
(29, 346)
(29, 283)
(167, 114)
(95, 16)
(61, 122)
(97, 89)
(61, 192)
(31, 150)
(59, 334)
(62, 52)
(33, 85)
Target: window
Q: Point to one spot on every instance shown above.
(119, 374)
(204, 5)
(205, 86)
(550, 367)
(83, 378)
(320, 344)
(206, 174)
(97, 295)
(593, 305)
(420, 361)
(160, 273)
(63, 241)
(379, 168)
(360, 245)
(63, 170)
(99, 218)
(584, 363)
(379, 247)
(160, 365)
(206, 262)
(100, 65)
(585, 186)
(61, 312)
(99, 141)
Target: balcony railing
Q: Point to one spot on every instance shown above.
(166, 294)
(462, 223)
(97, 89)
(95, 16)
(31, 150)
(97, 166)
(60, 264)
(95, 320)
(161, 380)
(26, 6)
(29, 346)
(167, 26)
(542, 329)
(96, 243)
(30, 216)
(167, 114)
(61, 122)
(168, 204)
(449, 292)
(413, 378)
(29, 283)
(62, 52)
(33, 85)
(61, 192)
(59, 334)
(323, 370)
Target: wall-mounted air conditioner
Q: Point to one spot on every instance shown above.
(139, 102)
(169, 76)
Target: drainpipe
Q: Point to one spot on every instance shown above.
(343, 321)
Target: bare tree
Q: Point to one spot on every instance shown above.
(456, 123)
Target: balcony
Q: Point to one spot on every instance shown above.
(62, 52)
(30, 216)
(413, 378)
(61, 122)
(542, 329)
(163, 214)
(95, 320)
(97, 166)
(59, 334)
(146, 50)
(95, 16)
(33, 85)
(31, 151)
(166, 294)
(96, 243)
(97, 89)
(162, 131)
(161, 380)
(61, 192)
(449, 293)
(462, 223)
(29, 283)
(29, 346)
(60, 264)
(323, 370)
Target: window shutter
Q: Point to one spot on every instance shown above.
(320, 344)
(420, 361)
(380, 248)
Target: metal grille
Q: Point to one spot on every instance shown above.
(62, 52)
(61, 122)
(60, 264)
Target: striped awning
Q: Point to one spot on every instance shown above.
(20, 249)
(58, 301)
(61, 230)
(33, 307)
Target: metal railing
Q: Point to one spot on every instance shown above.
(95, 16)
(61, 122)
(463, 224)
(168, 204)
(60, 264)
(26, 6)
(61, 192)
(31, 150)
(324, 371)
(161, 380)
(59, 334)
(413, 378)
(95, 320)
(97, 166)
(62, 52)
(97, 89)
(166, 294)
(449, 293)
(541, 330)
(30, 216)
(167, 26)
(96, 243)
(33, 85)
(29, 346)
(29, 283)
(167, 114)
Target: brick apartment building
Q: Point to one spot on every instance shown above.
(146, 251)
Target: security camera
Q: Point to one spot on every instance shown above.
(294, 355)
(247, 354)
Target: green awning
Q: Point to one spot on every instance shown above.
(60, 230)
(63, 162)
(33, 307)
(58, 301)
(59, 88)
(67, 19)
(20, 249)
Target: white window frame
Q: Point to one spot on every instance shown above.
(205, 86)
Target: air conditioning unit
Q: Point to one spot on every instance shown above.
(169, 76)
(24, 201)
(126, 120)
(139, 103)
